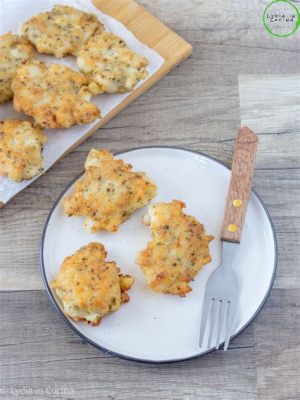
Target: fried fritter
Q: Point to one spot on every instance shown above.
(88, 287)
(54, 95)
(178, 249)
(110, 65)
(108, 193)
(21, 145)
(61, 31)
(14, 52)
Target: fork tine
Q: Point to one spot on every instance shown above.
(227, 326)
(220, 324)
(203, 322)
(213, 316)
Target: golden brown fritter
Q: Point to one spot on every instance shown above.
(88, 287)
(14, 52)
(61, 31)
(108, 193)
(21, 145)
(110, 65)
(177, 251)
(54, 95)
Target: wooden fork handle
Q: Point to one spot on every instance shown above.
(240, 185)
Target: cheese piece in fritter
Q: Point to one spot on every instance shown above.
(14, 52)
(108, 193)
(61, 31)
(54, 95)
(110, 65)
(89, 287)
(21, 145)
(178, 249)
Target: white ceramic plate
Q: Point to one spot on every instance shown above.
(156, 327)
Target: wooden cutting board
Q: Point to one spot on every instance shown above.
(150, 31)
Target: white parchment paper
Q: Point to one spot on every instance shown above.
(12, 14)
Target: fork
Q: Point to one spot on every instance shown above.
(220, 307)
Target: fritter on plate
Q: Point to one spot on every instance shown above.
(54, 95)
(14, 52)
(110, 65)
(21, 145)
(89, 287)
(61, 31)
(178, 249)
(108, 193)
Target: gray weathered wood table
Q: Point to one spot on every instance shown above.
(197, 106)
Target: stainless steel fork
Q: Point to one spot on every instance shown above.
(219, 312)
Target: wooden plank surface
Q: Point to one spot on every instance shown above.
(277, 341)
(270, 104)
(196, 106)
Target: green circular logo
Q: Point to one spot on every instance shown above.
(281, 18)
